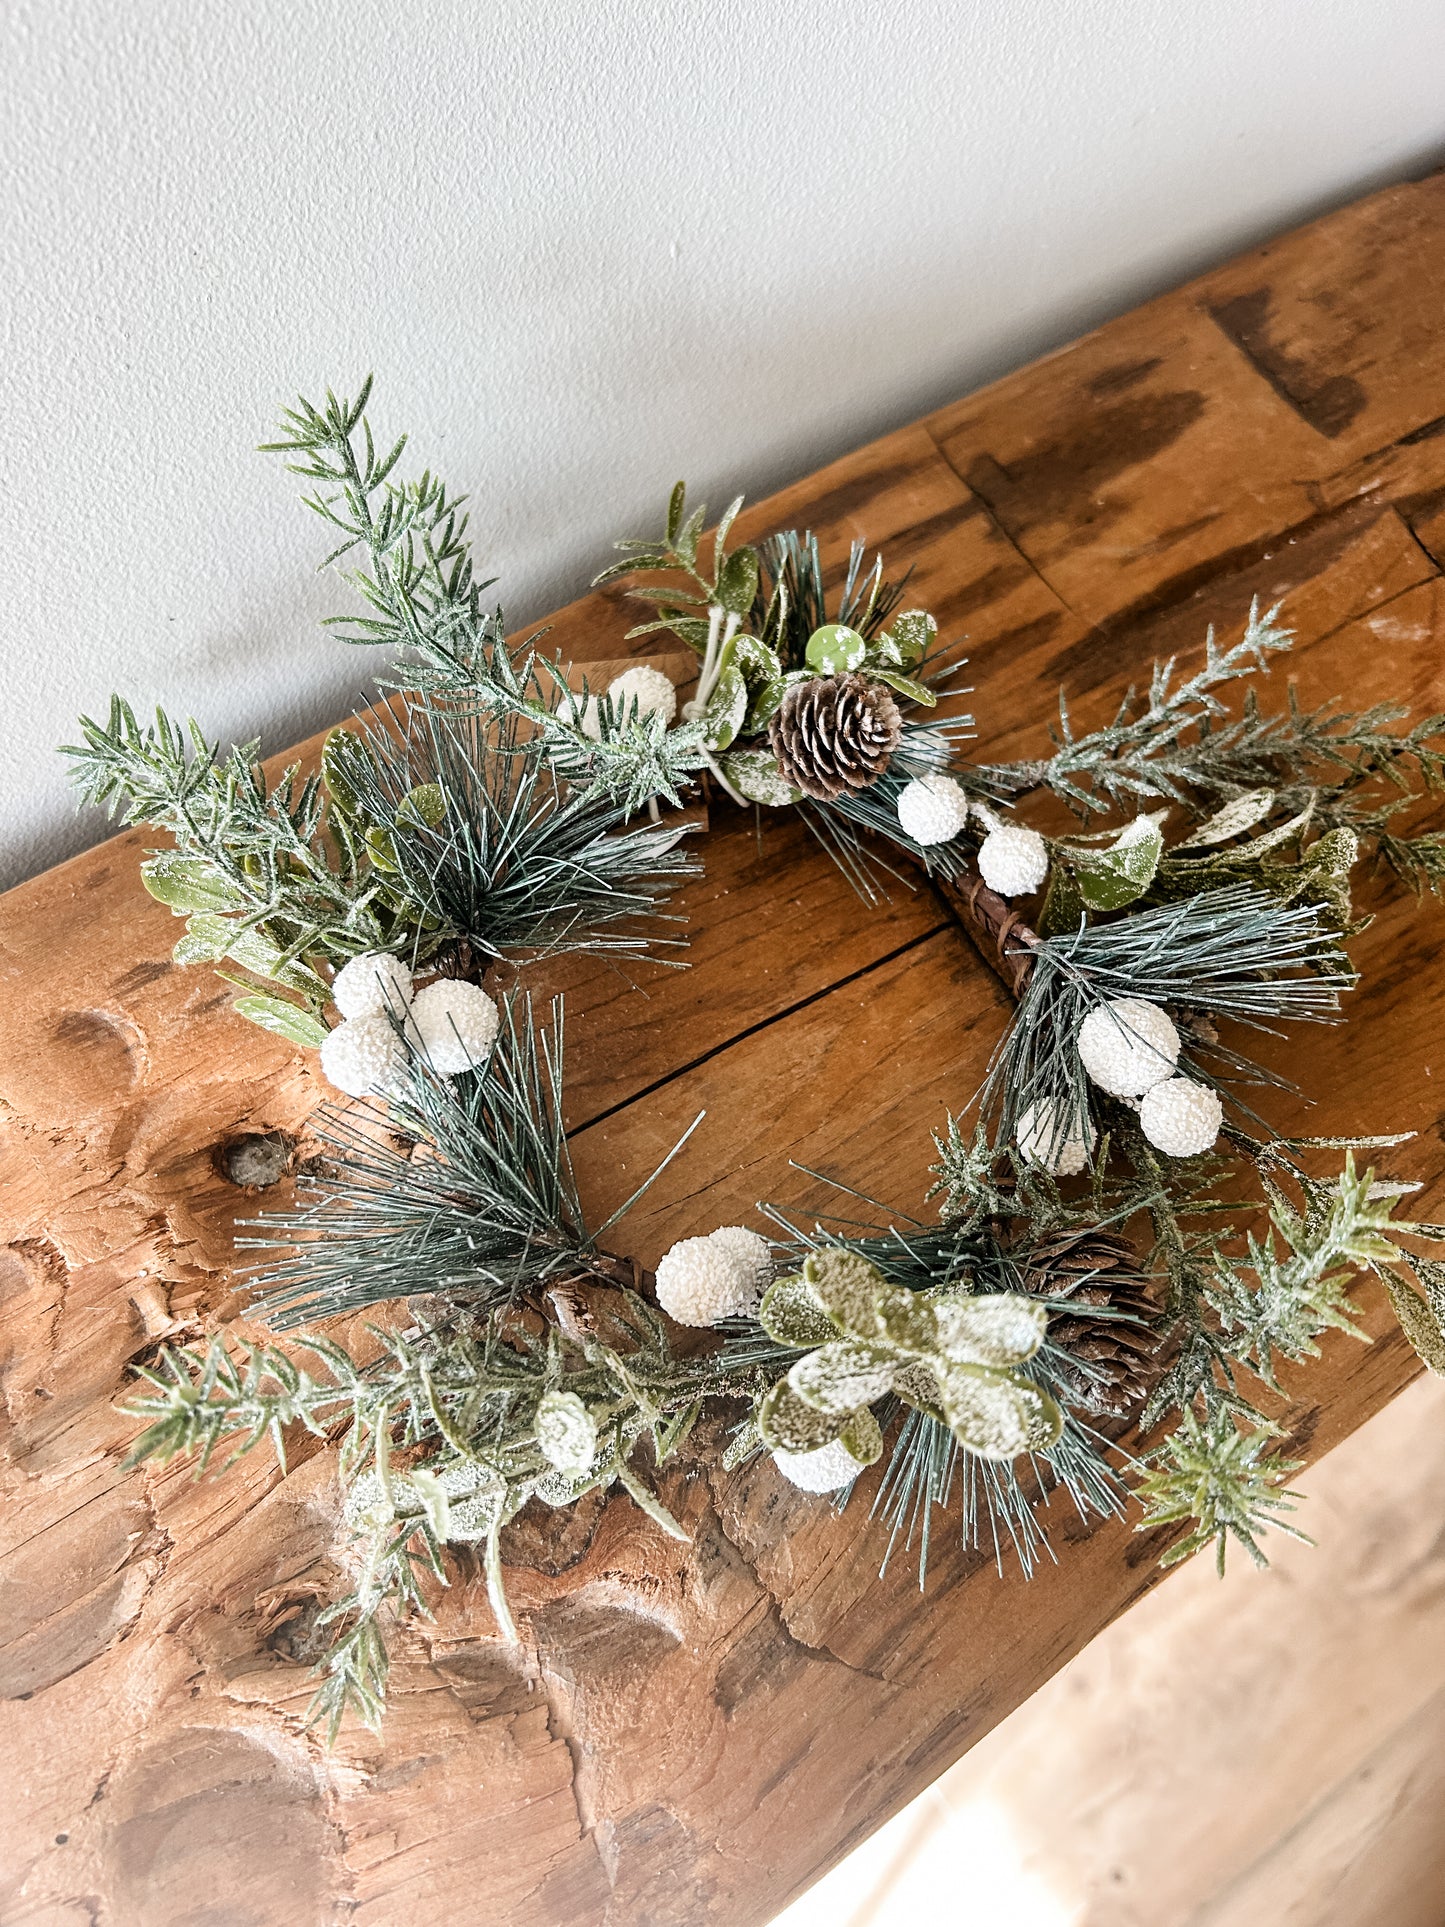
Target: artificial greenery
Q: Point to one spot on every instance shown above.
(493, 811)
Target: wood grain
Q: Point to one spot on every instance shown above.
(689, 1734)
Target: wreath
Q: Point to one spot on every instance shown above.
(1095, 1271)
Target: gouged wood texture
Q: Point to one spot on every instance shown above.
(689, 1734)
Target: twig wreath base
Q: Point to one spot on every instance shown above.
(1089, 1272)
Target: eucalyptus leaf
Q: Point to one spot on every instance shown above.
(995, 1328)
(755, 773)
(847, 1285)
(792, 1314)
(997, 1415)
(789, 1424)
(905, 686)
(863, 1437)
(737, 582)
(189, 883)
(841, 1376)
(283, 1019)
(835, 649)
(425, 806)
(726, 709)
(912, 634)
(1110, 878)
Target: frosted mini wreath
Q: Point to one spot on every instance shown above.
(377, 910)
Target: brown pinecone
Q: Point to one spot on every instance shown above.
(835, 733)
(1097, 1271)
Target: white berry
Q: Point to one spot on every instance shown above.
(700, 1281)
(823, 1470)
(457, 1024)
(587, 716)
(932, 808)
(751, 1251)
(376, 981)
(1012, 860)
(1128, 1045)
(648, 688)
(1061, 1145)
(364, 1056)
(1181, 1118)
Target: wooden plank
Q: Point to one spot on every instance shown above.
(689, 1734)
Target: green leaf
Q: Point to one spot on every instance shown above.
(425, 806)
(255, 951)
(1000, 1328)
(841, 1376)
(342, 755)
(189, 883)
(1239, 814)
(207, 939)
(1417, 1320)
(911, 691)
(912, 634)
(792, 1314)
(727, 706)
(755, 661)
(434, 1504)
(381, 850)
(848, 1288)
(789, 1424)
(863, 1437)
(1064, 907)
(737, 582)
(285, 1020)
(996, 1415)
(919, 1386)
(675, 505)
(755, 773)
(835, 649)
(1109, 879)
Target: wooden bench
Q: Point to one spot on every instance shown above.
(693, 1733)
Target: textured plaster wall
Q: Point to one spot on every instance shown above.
(587, 246)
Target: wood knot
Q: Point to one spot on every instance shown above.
(256, 1159)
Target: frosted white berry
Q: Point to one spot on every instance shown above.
(824, 1470)
(752, 1252)
(700, 1281)
(457, 1024)
(652, 692)
(932, 808)
(364, 1056)
(1061, 1145)
(1181, 1118)
(1128, 1045)
(1012, 860)
(376, 981)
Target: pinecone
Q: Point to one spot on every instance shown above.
(1096, 1271)
(835, 733)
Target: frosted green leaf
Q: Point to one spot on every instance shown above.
(835, 649)
(789, 1424)
(381, 849)
(755, 773)
(919, 1386)
(907, 1319)
(839, 1377)
(906, 687)
(737, 584)
(996, 1328)
(1241, 813)
(998, 1416)
(565, 1433)
(435, 1508)
(426, 805)
(188, 883)
(1417, 1320)
(282, 1019)
(912, 634)
(847, 1286)
(727, 706)
(792, 1314)
(207, 939)
(755, 661)
(1110, 878)
(863, 1437)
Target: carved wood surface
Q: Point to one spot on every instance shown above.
(692, 1733)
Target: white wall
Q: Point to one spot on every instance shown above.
(587, 246)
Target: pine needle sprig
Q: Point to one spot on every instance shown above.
(499, 855)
